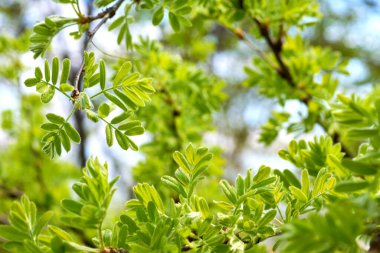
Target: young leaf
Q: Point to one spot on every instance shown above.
(305, 182)
(298, 194)
(122, 73)
(65, 141)
(65, 70)
(72, 132)
(47, 71)
(102, 72)
(109, 135)
(55, 70)
(92, 116)
(122, 140)
(55, 118)
(104, 110)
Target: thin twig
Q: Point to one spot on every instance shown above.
(243, 37)
(108, 54)
(276, 46)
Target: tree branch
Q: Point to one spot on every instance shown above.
(104, 15)
(276, 46)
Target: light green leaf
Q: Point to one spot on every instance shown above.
(55, 118)
(122, 73)
(72, 132)
(65, 71)
(122, 140)
(47, 71)
(55, 70)
(104, 110)
(109, 135)
(102, 74)
(298, 194)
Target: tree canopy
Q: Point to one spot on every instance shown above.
(150, 96)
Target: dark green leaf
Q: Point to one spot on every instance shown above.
(158, 15)
(173, 20)
(351, 186)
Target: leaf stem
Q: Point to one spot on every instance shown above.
(105, 90)
(55, 87)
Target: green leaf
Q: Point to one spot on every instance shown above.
(116, 101)
(268, 217)
(42, 222)
(65, 70)
(305, 182)
(291, 178)
(130, 124)
(180, 159)
(48, 95)
(47, 71)
(72, 206)
(363, 133)
(60, 233)
(138, 130)
(132, 145)
(123, 116)
(102, 74)
(360, 168)
(55, 118)
(109, 135)
(158, 15)
(30, 82)
(173, 20)
(122, 140)
(126, 100)
(229, 191)
(116, 23)
(65, 87)
(65, 140)
(298, 194)
(92, 116)
(122, 73)
(72, 132)
(55, 70)
(49, 126)
(104, 110)
(351, 186)
(9, 233)
(84, 101)
(239, 183)
(38, 74)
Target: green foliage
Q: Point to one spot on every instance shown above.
(330, 205)
(44, 32)
(42, 80)
(94, 193)
(23, 232)
(335, 231)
